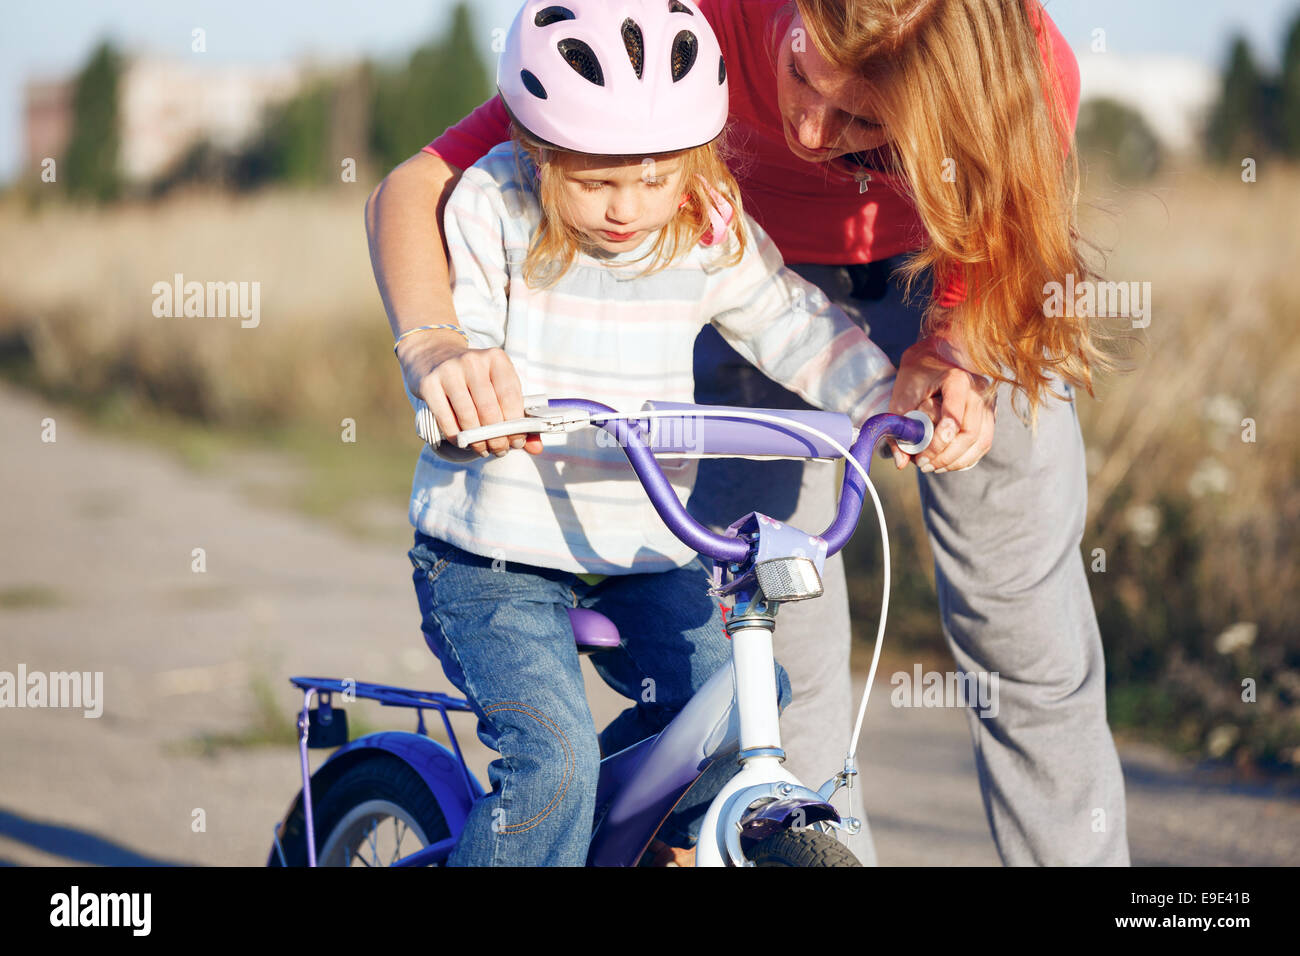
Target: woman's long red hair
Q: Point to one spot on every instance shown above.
(981, 135)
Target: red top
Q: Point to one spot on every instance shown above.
(813, 211)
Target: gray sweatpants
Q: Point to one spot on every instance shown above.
(1013, 599)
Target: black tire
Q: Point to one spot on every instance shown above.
(391, 789)
(801, 848)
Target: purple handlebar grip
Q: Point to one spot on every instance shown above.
(736, 437)
(874, 430)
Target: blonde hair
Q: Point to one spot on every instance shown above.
(962, 85)
(555, 244)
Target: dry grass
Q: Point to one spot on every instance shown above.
(1199, 527)
(1202, 587)
(77, 291)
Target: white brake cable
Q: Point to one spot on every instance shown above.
(875, 500)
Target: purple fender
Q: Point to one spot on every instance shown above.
(643, 783)
(791, 813)
(451, 783)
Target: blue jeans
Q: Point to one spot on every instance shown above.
(503, 637)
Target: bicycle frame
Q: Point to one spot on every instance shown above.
(733, 716)
(638, 787)
(763, 794)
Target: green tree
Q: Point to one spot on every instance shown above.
(1114, 137)
(464, 78)
(1238, 122)
(388, 112)
(1290, 92)
(90, 164)
(442, 81)
(293, 145)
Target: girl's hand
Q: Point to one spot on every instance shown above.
(953, 398)
(466, 388)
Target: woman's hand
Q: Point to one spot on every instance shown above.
(952, 397)
(466, 388)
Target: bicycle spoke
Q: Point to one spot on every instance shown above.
(397, 849)
(372, 836)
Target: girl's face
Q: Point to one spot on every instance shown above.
(826, 113)
(616, 204)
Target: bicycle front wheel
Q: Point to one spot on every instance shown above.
(801, 848)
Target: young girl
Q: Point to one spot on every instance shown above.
(590, 251)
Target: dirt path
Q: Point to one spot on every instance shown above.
(96, 574)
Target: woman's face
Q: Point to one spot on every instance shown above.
(826, 113)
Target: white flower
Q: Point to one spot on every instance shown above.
(1237, 637)
(1221, 739)
(1210, 477)
(1144, 522)
(1224, 411)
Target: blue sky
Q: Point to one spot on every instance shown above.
(53, 37)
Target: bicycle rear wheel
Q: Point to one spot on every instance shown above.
(375, 813)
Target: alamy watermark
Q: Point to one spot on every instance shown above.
(84, 689)
(1088, 299)
(75, 908)
(670, 434)
(208, 300)
(975, 689)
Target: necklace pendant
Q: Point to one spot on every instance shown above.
(863, 177)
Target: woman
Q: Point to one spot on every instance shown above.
(888, 145)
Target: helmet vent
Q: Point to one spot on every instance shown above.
(583, 60)
(532, 84)
(722, 71)
(551, 15)
(685, 48)
(635, 43)
(676, 7)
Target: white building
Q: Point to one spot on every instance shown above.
(164, 105)
(1172, 94)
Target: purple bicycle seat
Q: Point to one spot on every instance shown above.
(592, 631)
(691, 436)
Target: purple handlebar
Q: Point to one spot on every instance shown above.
(632, 437)
(742, 436)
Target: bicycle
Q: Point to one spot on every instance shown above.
(763, 816)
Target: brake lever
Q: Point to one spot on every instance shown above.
(541, 419)
(547, 423)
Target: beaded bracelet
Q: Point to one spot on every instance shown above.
(429, 328)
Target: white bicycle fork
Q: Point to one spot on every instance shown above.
(753, 680)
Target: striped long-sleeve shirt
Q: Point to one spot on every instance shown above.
(608, 333)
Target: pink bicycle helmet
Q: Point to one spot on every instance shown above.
(614, 77)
